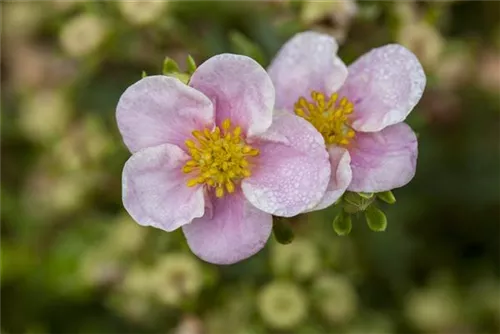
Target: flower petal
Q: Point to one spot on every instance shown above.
(340, 178)
(308, 61)
(160, 109)
(240, 90)
(292, 170)
(236, 231)
(155, 191)
(384, 85)
(383, 160)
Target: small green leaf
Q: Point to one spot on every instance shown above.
(282, 230)
(342, 224)
(376, 219)
(366, 195)
(144, 74)
(387, 196)
(181, 76)
(169, 66)
(191, 64)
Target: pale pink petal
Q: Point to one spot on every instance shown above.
(308, 61)
(292, 171)
(340, 178)
(240, 90)
(235, 231)
(160, 109)
(155, 191)
(384, 85)
(383, 160)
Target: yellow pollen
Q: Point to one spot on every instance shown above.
(329, 116)
(219, 158)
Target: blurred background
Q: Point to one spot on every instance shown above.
(73, 261)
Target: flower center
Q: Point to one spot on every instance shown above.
(219, 158)
(329, 117)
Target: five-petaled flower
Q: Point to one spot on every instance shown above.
(212, 158)
(359, 110)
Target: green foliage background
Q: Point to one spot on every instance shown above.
(74, 262)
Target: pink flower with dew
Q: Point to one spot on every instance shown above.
(359, 110)
(212, 158)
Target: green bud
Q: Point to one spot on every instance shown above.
(144, 74)
(387, 196)
(376, 219)
(169, 66)
(342, 224)
(191, 64)
(366, 195)
(282, 230)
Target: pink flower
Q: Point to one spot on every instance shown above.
(359, 110)
(213, 159)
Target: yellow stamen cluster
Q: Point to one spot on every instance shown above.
(329, 117)
(219, 158)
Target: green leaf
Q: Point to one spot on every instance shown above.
(342, 224)
(366, 195)
(170, 66)
(376, 219)
(191, 64)
(144, 74)
(282, 230)
(387, 196)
